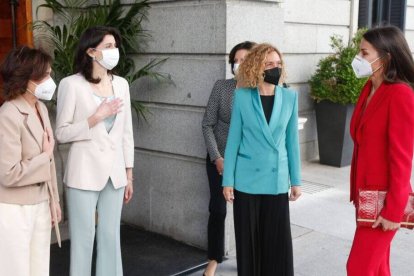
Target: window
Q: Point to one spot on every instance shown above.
(376, 12)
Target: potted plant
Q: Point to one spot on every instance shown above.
(335, 89)
(73, 17)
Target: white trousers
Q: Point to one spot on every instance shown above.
(25, 239)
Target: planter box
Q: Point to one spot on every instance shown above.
(334, 140)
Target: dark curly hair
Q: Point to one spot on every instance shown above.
(90, 39)
(21, 65)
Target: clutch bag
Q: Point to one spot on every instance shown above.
(370, 204)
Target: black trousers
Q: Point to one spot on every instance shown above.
(263, 236)
(217, 208)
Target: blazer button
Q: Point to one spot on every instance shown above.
(274, 170)
(101, 149)
(257, 170)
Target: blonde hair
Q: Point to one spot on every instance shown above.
(251, 71)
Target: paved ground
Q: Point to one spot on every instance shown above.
(323, 227)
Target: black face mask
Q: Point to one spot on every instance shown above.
(272, 76)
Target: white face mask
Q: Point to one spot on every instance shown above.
(45, 90)
(110, 58)
(362, 67)
(236, 68)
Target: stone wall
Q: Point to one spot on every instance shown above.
(409, 24)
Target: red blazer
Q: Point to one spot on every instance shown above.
(383, 137)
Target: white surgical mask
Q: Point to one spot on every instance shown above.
(110, 58)
(362, 67)
(45, 90)
(236, 68)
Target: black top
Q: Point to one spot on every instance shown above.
(267, 103)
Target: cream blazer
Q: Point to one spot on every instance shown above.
(27, 175)
(95, 155)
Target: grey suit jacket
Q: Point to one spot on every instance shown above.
(216, 121)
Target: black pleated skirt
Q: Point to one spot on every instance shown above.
(263, 235)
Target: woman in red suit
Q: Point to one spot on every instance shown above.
(382, 128)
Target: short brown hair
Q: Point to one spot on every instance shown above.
(251, 71)
(21, 65)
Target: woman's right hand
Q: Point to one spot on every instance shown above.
(105, 110)
(48, 142)
(219, 165)
(387, 225)
(228, 193)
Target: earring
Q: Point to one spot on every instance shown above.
(93, 58)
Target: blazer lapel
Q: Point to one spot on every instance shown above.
(356, 117)
(276, 114)
(257, 104)
(117, 94)
(376, 100)
(33, 123)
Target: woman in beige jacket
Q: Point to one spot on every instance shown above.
(29, 199)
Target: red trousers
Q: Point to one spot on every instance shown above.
(370, 252)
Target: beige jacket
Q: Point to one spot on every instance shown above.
(95, 155)
(26, 173)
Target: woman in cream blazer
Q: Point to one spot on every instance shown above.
(94, 115)
(28, 189)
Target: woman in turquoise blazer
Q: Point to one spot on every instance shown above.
(261, 163)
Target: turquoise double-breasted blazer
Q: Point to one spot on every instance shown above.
(262, 158)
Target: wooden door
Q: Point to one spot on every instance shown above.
(24, 30)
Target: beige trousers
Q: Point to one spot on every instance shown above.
(25, 239)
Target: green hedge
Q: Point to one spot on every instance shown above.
(334, 79)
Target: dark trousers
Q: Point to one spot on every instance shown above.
(217, 208)
(263, 237)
